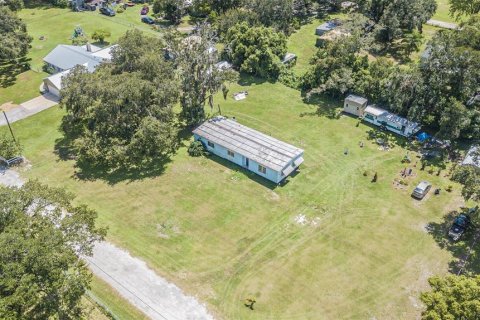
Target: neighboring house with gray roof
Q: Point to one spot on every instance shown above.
(257, 152)
(64, 57)
(473, 157)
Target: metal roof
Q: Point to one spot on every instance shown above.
(57, 78)
(67, 56)
(259, 147)
(375, 111)
(391, 117)
(473, 157)
(327, 26)
(357, 99)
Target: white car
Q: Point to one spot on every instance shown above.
(421, 190)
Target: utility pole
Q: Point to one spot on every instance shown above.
(10, 127)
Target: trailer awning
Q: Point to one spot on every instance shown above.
(292, 167)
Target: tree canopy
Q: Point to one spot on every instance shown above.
(41, 237)
(452, 298)
(121, 115)
(15, 40)
(438, 91)
(464, 7)
(200, 79)
(256, 50)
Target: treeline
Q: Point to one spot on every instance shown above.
(441, 90)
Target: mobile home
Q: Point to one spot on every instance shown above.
(257, 152)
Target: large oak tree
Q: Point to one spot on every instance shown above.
(42, 235)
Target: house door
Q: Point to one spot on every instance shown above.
(246, 162)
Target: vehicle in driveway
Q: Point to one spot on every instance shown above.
(459, 226)
(421, 190)
(148, 20)
(107, 11)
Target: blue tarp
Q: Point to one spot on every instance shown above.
(422, 136)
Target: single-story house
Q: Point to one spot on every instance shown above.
(64, 57)
(326, 27)
(257, 152)
(473, 157)
(390, 121)
(355, 105)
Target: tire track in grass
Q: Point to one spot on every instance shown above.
(280, 235)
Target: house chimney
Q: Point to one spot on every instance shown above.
(89, 47)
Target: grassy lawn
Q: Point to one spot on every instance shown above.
(443, 10)
(57, 26)
(302, 43)
(103, 294)
(223, 235)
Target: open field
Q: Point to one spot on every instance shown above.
(57, 26)
(443, 10)
(329, 244)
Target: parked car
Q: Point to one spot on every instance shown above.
(130, 4)
(148, 20)
(421, 190)
(459, 226)
(107, 11)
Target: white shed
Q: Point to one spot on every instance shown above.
(355, 105)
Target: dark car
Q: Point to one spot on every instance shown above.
(148, 20)
(459, 226)
(107, 11)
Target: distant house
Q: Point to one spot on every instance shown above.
(223, 65)
(64, 57)
(331, 36)
(348, 5)
(390, 121)
(326, 27)
(473, 157)
(358, 106)
(355, 105)
(257, 152)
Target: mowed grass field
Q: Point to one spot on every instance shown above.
(329, 244)
(56, 26)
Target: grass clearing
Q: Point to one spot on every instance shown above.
(222, 234)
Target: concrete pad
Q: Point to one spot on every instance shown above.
(29, 108)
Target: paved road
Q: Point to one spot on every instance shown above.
(29, 108)
(138, 284)
(442, 24)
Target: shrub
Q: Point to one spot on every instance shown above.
(288, 78)
(196, 149)
(8, 147)
(120, 10)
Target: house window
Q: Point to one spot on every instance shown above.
(210, 144)
(230, 153)
(262, 169)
